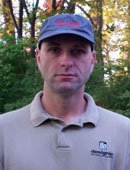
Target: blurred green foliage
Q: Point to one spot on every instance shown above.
(114, 92)
(19, 77)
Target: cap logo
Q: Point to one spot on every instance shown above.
(68, 23)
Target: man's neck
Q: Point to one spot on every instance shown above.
(65, 108)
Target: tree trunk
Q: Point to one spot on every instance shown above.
(32, 19)
(128, 36)
(98, 38)
(53, 5)
(71, 7)
(20, 24)
(99, 31)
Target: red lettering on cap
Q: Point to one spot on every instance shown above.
(59, 23)
(68, 23)
(73, 24)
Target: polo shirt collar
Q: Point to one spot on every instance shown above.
(91, 114)
(39, 115)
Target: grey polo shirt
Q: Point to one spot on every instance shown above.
(31, 139)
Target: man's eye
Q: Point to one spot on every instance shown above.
(78, 52)
(54, 49)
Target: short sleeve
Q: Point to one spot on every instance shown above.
(128, 152)
(1, 166)
(1, 146)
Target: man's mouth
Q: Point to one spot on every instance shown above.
(65, 75)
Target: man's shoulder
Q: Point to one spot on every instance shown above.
(15, 115)
(104, 114)
(113, 117)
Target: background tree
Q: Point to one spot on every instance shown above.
(32, 20)
(14, 16)
(9, 26)
(18, 25)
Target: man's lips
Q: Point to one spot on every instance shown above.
(66, 74)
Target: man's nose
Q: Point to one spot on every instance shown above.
(66, 60)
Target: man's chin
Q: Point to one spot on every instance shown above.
(67, 90)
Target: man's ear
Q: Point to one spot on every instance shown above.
(38, 59)
(93, 61)
(37, 55)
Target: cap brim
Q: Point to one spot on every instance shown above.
(62, 32)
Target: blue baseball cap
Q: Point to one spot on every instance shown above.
(66, 24)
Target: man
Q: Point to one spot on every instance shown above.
(63, 129)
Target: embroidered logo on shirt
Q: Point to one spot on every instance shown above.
(102, 152)
(102, 145)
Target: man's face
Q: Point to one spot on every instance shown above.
(65, 63)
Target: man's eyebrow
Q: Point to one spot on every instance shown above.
(75, 45)
(81, 45)
(49, 43)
